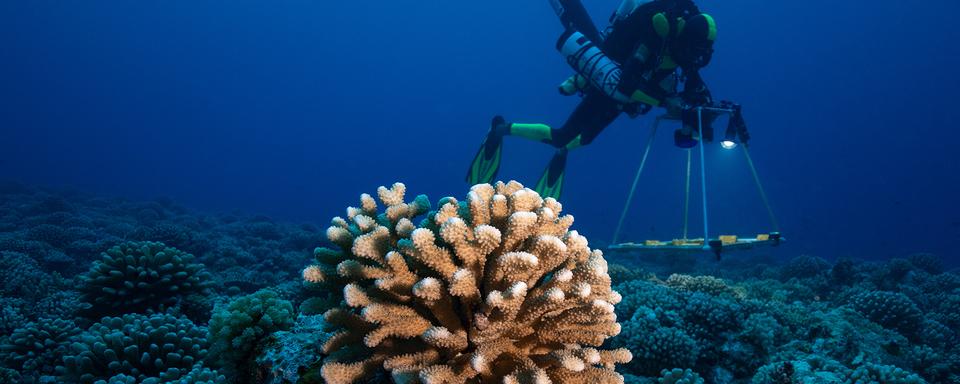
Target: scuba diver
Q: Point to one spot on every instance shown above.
(636, 65)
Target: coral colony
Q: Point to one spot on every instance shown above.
(494, 288)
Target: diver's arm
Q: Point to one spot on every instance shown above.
(695, 92)
(636, 42)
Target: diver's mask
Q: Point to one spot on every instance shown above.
(694, 44)
(695, 57)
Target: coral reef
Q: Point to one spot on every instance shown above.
(495, 288)
(293, 355)
(11, 315)
(807, 321)
(135, 347)
(679, 376)
(141, 276)
(889, 309)
(37, 348)
(239, 330)
(394, 272)
(655, 347)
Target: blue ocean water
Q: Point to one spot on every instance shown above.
(292, 109)
(234, 131)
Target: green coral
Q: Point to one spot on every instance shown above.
(293, 353)
(805, 266)
(8, 375)
(656, 349)
(927, 262)
(887, 374)
(889, 309)
(709, 317)
(706, 284)
(148, 349)
(22, 276)
(807, 370)
(240, 329)
(679, 376)
(141, 276)
(201, 375)
(640, 293)
(11, 315)
(620, 273)
(36, 348)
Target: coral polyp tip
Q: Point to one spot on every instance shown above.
(313, 274)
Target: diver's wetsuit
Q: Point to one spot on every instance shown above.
(646, 45)
(647, 67)
(594, 113)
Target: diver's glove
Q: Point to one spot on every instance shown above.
(674, 106)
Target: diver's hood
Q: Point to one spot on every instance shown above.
(693, 47)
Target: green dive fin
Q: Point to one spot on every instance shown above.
(486, 163)
(551, 183)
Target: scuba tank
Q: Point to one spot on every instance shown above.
(589, 61)
(625, 9)
(574, 16)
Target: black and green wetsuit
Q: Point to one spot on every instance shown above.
(645, 43)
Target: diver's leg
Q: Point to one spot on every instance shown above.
(594, 113)
(486, 163)
(591, 116)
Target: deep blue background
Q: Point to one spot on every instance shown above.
(294, 108)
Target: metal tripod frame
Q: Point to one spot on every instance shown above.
(703, 179)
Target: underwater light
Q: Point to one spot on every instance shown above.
(733, 128)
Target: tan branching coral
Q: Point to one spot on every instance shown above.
(492, 289)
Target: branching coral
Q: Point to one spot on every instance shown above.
(138, 276)
(158, 348)
(201, 375)
(11, 315)
(705, 284)
(50, 234)
(679, 376)
(22, 277)
(640, 293)
(656, 348)
(927, 262)
(621, 274)
(8, 375)
(292, 354)
(239, 329)
(750, 348)
(805, 267)
(493, 288)
(36, 348)
(810, 369)
(889, 309)
(708, 317)
(887, 374)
